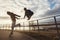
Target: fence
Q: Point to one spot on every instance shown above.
(55, 23)
(37, 24)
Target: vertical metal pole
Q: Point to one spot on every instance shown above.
(56, 26)
(34, 28)
(6, 26)
(3, 26)
(0, 25)
(38, 25)
(23, 27)
(32, 24)
(29, 26)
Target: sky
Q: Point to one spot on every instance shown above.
(41, 8)
(16, 6)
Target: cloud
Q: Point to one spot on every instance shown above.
(42, 7)
(52, 3)
(54, 11)
(39, 7)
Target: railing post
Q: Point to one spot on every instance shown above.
(3, 26)
(23, 27)
(56, 26)
(29, 26)
(38, 25)
(32, 26)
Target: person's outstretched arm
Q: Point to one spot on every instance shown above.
(17, 18)
(17, 15)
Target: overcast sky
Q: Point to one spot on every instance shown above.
(41, 8)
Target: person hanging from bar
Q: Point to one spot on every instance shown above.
(28, 13)
(13, 18)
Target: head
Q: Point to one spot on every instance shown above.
(9, 13)
(25, 8)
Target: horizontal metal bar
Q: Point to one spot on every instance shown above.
(46, 17)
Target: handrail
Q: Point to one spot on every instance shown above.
(47, 17)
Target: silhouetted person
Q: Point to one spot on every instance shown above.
(13, 18)
(28, 13)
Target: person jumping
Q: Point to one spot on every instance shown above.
(13, 18)
(28, 13)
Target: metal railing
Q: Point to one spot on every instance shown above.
(39, 25)
(55, 23)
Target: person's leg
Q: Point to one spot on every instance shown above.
(11, 32)
(17, 25)
(29, 17)
(13, 24)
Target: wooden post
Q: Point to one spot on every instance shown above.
(56, 26)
